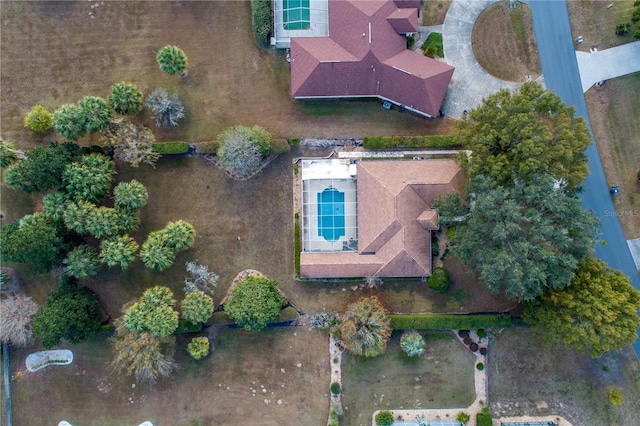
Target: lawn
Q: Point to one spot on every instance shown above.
(435, 11)
(504, 42)
(57, 52)
(441, 378)
(214, 391)
(527, 379)
(596, 23)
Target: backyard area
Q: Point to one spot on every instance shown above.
(442, 377)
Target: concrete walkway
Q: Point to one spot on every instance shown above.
(634, 248)
(609, 63)
(470, 83)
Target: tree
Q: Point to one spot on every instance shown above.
(153, 313)
(125, 98)
(54, 205)
(179, 235)
(130, 196)
(254, 303)
(412, 343)
(75, 215)
(127, 221)
(133, 144)
(451, 209)
(39, 119)
(102, 222)
(439, 279)
(89, 178)
(82, 262)
(242, 149)
(16, 319)
(366, 328)
(517, 136)
(155, 253)
(198, 347)
(34, 239)
(72, 313)
(120, 250)
(172, 60)
(69, 121)
(597, 313)
(524, 238)
(384, 418)
(42, 168)
(96, 113)
(145, 356)
(200, 279)
(167, 111)
(8, 154)
(197, 307)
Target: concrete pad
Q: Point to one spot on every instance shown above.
(609, 63)
(634, 248)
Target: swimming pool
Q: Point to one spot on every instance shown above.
(331, 214)
(296, 14)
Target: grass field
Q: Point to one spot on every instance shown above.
(435, 11)
(596, 23)
(527, 379)
(441, 378)
(55, 52)
(504, 43)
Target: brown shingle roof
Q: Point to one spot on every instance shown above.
(394, 220)
(365, 55)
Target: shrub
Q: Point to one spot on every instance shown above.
(96, 113)
(412, 343)
(262, 21)
(622, 29)
(410, 41)
(428, 141)
(125, 98)
(210, 147)
(297, 241)
(294, 142)
(279, 146)
(636, 33)
(39, 119)
(482, 333)
(164, 148)
(463, 417)
(430, 51)
(172, 60)
(167, 111)
(68, 120)
(242, 149)
(198, 347)
(435, 248)
(324, 320)
(384, 418)
(434, 45)
(448, 321)
(615, 396)
(480, 366)
(439, 279)
(335, 388)
(333, 419)
(483, 419)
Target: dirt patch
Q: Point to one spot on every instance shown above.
(527, 379)
(504, 42)
(435, 11)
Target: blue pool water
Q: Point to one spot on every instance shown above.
(331, 214)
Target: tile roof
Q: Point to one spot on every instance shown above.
(395, 220)
(366, 55)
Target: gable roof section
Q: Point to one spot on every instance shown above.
(365, 55)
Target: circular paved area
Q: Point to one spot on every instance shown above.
(470, 83)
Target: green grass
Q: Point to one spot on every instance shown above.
(444, 372)
(448, 321)
(434, 39)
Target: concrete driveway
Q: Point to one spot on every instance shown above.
(609, 63)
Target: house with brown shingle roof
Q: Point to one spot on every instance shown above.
(395, 218)
(365, 55)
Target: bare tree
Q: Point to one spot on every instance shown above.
(133, 144)
(16, 313)
(201, 279)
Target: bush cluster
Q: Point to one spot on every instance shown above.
(428, 141)
(448, 321)
(384, 418)
(165, 148)
(262, 21)
(439, 279)
(335, 388)
(433, 45)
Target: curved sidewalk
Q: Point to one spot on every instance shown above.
(470, 83)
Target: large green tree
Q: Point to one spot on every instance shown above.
(366, 328)
(42, 168)
(172, 60)
(524, 238)
(34, 239)
(242, 149)
(153, 313)
(96, 113)
(120, 250)
(254, 303)
(69, 121)
(89, 178)
(597, 313)
(516, 136)
(72, 313)
(125, 98)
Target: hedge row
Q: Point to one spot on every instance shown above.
(430, 141)
(448, 321)
(262, 21)
(164, 148)
(210, 147)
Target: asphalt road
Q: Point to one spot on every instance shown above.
(561, 74)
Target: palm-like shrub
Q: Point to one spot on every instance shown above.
(366, 328)
(82, 262)
(15, 320)
(179, 235)
(39, 119)
(155, 253)
(54, 205)
(198, 347)
(127, 221)
(254, 303)
(8, 154)
(89, 178)
(167, 110)
(197, 307)
(102, 222)
(96, 113)
(75, 215)
(69, 121)
(412, 343)
(130, 196)
(242, 149)
(125, 98)
(120, 250)
(153, 313)
(384, 418)
(172, 60)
